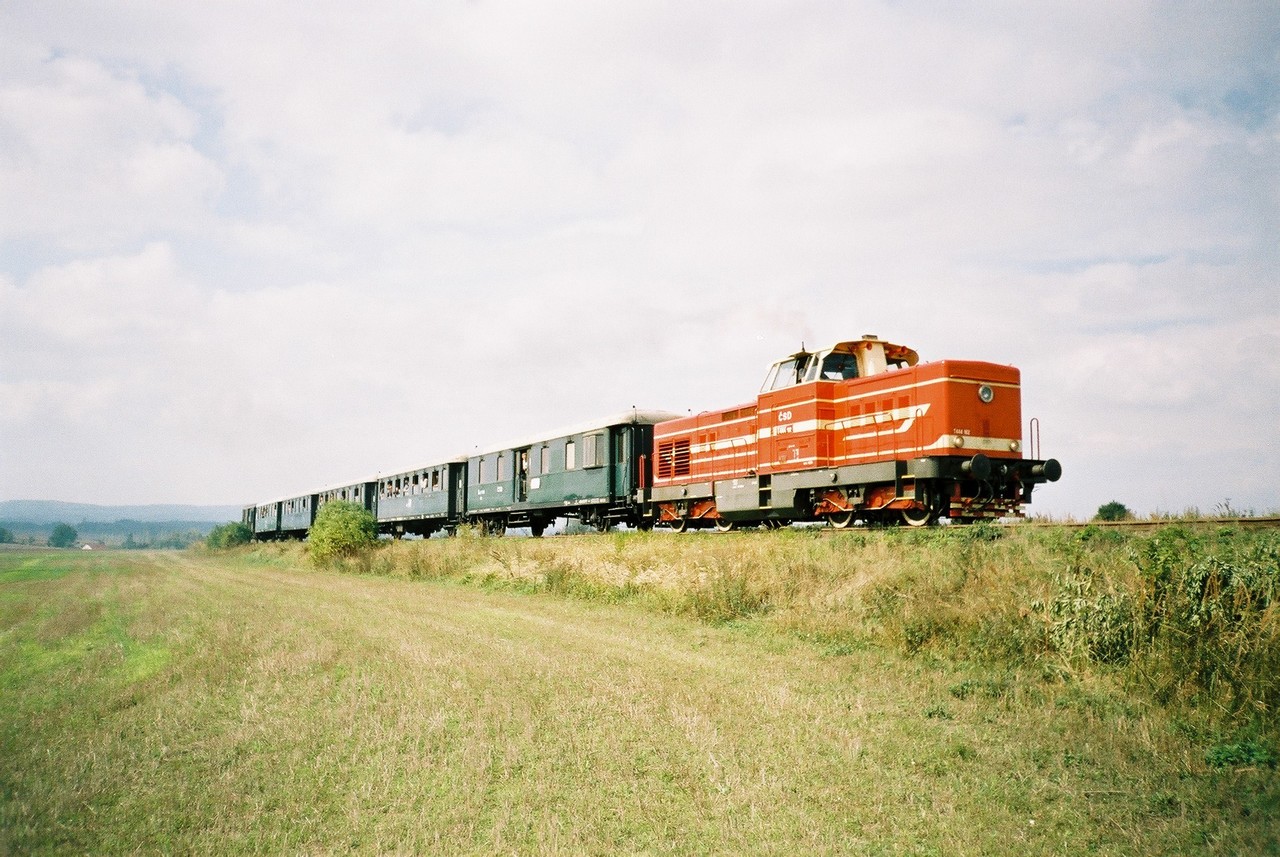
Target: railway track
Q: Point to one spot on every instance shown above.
(1265, 522)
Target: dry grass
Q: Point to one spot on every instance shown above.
(746, 695)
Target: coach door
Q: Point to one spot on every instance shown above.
(621, 443)
(522, 475)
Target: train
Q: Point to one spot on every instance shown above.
(858, 433)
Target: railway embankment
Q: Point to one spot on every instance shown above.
(1187, 617)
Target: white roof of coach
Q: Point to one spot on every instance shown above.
(632, 416)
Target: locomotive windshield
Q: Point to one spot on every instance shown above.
(789, 372)
(843, 362)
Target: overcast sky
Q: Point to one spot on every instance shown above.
(249, 249)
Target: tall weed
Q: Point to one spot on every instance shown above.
(1210, 623)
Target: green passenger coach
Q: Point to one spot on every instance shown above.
(590, 473)
(421, 501)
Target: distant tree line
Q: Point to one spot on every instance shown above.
(124, 533)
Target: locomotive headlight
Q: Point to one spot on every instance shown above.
(986, 394)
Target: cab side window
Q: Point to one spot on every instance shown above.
(838, 366)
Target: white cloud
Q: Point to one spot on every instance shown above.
(91, 158)
(261, 244)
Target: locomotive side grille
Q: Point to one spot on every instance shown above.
(673, 458)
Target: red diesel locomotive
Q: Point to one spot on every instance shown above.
(858, 431)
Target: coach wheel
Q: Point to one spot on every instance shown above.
(644, 525)
(679, 525)
(537, 528)
(602, 524)
(723, 526)
(841, 520)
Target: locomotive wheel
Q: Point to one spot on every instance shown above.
(644, 525)
(841, 520)
(918, 517)
(679, 525)
(723, 526)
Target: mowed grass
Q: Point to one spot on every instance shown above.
(179, 703)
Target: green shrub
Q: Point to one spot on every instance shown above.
(63, 536)
(228, 536)
(1113, 511)
(342, 529)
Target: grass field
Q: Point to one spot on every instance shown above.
(611, 694)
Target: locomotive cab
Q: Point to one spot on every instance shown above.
(842, 362)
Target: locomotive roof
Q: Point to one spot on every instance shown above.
(892, 350)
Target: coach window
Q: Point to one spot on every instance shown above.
(546, 459)
(502, 459)
(593, 450)
(570, 455)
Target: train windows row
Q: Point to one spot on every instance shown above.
(354, 493)
(411, 484)
(495, 467)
